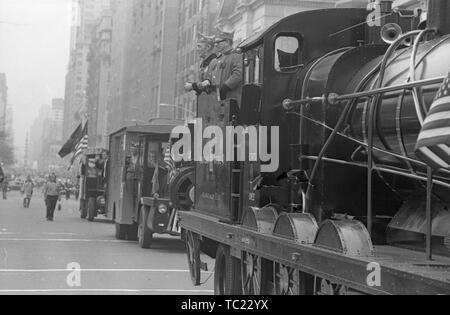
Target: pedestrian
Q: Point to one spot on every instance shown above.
(5, 187)
(28, 189)
(52, 195)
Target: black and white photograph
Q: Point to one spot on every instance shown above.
(224, 152)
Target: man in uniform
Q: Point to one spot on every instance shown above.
(226, 76)
(206, 52)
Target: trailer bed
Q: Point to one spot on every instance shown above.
(402, 271)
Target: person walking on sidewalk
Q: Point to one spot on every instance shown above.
(52, 195)
(5, 186)
(28, 189)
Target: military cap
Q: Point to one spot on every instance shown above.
(220, 36)
(205, 39)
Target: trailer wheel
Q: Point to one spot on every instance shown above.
(227, 272)
(193, 255)
(92, 208)
(145, 235)
(255, 274)
(121, 231)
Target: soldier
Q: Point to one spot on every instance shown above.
(226, 71)
(206, 52)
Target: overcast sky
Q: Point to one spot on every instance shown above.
(34, 53)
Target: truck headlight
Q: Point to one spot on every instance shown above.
(162, 209)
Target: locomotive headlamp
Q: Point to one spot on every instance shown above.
(162, 209)
(287, 104)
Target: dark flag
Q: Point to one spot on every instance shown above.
(71, 144)
(433, 145)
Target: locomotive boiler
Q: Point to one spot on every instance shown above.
(349, 98)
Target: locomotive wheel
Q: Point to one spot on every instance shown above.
(286, 280)
(145, 235)
(326, 287)
(252, 274)
(227, 272)
(92, 209)
(193, 255)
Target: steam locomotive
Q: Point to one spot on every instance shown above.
(351, 208)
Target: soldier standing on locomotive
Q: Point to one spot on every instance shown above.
(207, 53)
(226, 70)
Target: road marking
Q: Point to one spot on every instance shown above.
(62, 240)
(105, 290)
(93, 270)
(72, 234)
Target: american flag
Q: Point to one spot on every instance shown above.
(80, 147)
(433, 145)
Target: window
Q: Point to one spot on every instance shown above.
(254, 62)
(287, 53)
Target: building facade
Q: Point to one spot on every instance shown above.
(143, 68)
(52, 137)
(248, 17)
(195, 16)
(99, 59)
(3, 103)
(85, 16)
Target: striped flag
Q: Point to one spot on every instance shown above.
(81, 146)
(433, 145)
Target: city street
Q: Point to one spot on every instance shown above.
(35, 256)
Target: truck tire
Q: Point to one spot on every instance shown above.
(227, 273)
(83, 209)
(121, 231)
(132, 233)
(145, 235)
(92, 209)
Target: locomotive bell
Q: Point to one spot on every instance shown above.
(391, 32)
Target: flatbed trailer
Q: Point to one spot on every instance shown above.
(402, 271)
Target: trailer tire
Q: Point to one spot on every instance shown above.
(92, 208)
(145, 235)
(121, 231)
(227, 273)
(193, 255)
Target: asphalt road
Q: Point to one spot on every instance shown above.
(72, 256)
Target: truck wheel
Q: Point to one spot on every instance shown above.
(83, 209)
(227, 273)
(132, 233)
(193, 255)
(121, 231)
(92, 208)
(145, 235)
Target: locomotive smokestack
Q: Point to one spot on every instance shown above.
(438, 15)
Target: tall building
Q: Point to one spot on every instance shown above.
(195, 16)
(99, 59)
(143, 61)
(46, 137)
(36, 137)
(3, 103)
(85, 15)
(248, 17)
